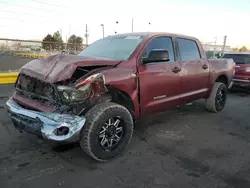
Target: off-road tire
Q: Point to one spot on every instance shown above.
(95, 118)
(210, 104)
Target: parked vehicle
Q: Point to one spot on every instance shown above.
(95, 97)
(242, 70)
(35, 48)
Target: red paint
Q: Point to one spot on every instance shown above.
(155, 88)
(32, 104)
(242, 69)
(60, 67)
(96, 83)
(241, 73)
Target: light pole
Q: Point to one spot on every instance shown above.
(102, 25)
(116, 23)
(132, 25)
(149, 23)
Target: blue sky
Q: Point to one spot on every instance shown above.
(205, 19)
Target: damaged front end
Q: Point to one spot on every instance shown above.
(55, 111)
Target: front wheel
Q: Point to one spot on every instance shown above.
(217, 98)
(107, 132)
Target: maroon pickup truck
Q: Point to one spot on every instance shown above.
(242, 71)
(95, 97)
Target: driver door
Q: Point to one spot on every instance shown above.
(159, 81)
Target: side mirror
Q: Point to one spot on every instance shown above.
(157, 55)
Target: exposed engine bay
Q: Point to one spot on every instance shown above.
(74, 96)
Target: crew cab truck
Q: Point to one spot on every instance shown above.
(96, 96)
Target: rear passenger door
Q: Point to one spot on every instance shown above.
(195, 70)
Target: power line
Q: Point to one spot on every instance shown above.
(20, 20)
(42, 2)
(30, 7)
(20, 13)
(13, 19)
(38, 22)
(28, 14)
(25, 6)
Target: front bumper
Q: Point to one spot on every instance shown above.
(45, 124)
(241, 83)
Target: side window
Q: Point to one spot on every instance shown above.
(188, 49)
(161, 43)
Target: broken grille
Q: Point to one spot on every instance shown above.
(35, 89)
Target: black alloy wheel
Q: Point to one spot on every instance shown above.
(107, 132)
(220, 99)
(111, 133)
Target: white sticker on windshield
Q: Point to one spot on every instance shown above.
(132, 37)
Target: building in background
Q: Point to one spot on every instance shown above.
(216, 48)
(214, 51)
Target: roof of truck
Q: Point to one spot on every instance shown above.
(151, 34)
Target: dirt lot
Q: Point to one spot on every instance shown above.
(182, 148)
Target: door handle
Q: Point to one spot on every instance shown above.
(205, 66)
(176, 69)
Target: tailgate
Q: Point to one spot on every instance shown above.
(242, 69)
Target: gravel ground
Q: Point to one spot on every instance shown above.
(181, 148)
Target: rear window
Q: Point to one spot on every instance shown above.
(238, 58)
(188, 49)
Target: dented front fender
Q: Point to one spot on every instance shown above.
(97, 84)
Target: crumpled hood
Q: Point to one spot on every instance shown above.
(60, 67)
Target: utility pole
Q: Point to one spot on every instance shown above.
(215, 42)
(69, 30)
(224, 44)
(86, 34)
(62, 40)
(132, 25)
(66, 45)
(67, 38)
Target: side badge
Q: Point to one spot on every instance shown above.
(160, 97)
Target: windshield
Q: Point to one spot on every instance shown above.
(114, 47)
(238, 58)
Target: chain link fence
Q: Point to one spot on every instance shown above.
(15, 53)
(37, 49)
(212, 50)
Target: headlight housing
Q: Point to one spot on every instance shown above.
(71, 94)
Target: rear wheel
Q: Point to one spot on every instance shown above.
(217, 98)
(107, 132)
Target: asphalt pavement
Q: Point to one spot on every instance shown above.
(11, 63)
(181, 148)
